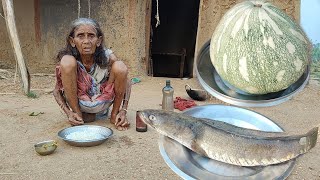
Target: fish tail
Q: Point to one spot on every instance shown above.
(310, 140)
(313, 136)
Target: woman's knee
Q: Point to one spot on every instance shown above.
(119, 69)
(68, 63)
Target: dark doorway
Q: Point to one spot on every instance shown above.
(173, 41)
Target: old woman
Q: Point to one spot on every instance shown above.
(89, 77)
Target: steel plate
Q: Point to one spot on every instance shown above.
(214, 85)
(103, 133)
(190, 165)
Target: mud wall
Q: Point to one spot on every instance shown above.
(24, 15)
(43, 24)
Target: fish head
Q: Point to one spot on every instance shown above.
(158, 119)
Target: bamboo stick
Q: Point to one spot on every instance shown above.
(14, 39)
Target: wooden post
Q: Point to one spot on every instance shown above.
(148, 60)
(13, 36)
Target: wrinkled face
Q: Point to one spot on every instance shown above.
(85, 39)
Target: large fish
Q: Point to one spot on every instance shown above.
(228, 143)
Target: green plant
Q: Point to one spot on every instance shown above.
(316, 52)
(315, 64)
(315, 70)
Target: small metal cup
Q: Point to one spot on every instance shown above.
(45, 147)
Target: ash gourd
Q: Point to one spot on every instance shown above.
(259, 49)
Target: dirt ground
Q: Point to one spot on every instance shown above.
(128, 154)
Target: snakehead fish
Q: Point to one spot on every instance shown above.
(228, 143)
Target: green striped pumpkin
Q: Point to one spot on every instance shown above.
(259, 49)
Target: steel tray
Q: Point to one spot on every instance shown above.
(190, 165)
(103, 132)
(214, 85)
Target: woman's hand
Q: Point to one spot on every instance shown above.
(75, 119)
(121, 121)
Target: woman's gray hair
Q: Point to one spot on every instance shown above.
(99, 55)
(84, 21)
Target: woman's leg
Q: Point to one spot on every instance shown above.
(68, 67)
(119, 76)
